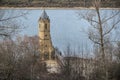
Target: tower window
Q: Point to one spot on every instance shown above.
(45, 26)
(45, 35)
(45, 45)
(46, 56)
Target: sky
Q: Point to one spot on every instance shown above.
(66, 27)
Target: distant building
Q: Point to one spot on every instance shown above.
(47, 51)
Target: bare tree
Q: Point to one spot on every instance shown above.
(75, 66)
(9, 23)
(117, 68)
(101, 27)
(20, 59)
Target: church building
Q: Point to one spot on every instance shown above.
(47, 51)
(46, 47)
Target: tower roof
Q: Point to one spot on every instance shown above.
(44, 15)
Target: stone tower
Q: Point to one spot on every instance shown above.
(46, 48)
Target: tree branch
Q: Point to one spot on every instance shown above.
(96, 42)
(111, 17)
(23, 14)
(113, 26)
(93, 21)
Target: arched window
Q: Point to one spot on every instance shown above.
(53, 55)
(45, 26)
(46, 46)
(46, 56)
(45, 35)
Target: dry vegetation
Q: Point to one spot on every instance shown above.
(57, 3)
(19, 60)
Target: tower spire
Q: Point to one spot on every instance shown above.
(44, 15)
